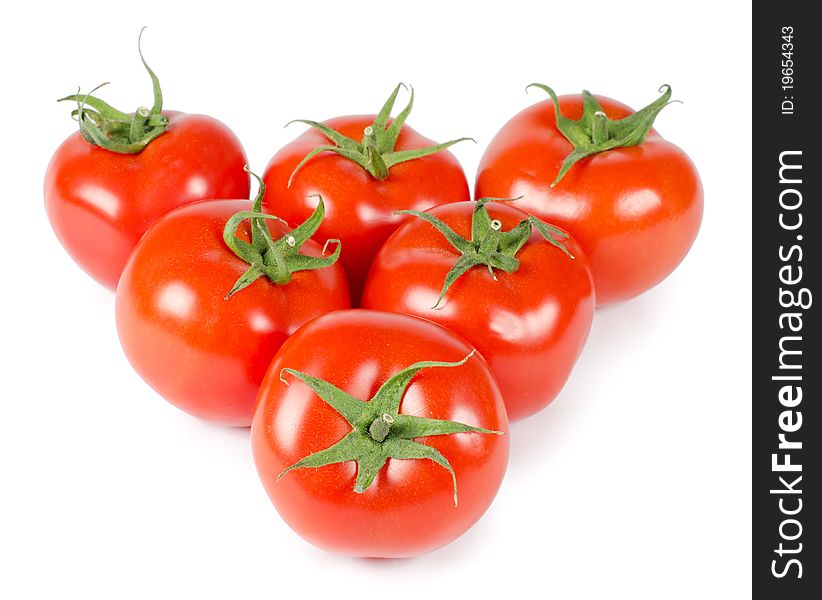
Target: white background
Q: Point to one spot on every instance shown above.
(635, 483)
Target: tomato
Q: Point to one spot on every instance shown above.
(530, 323)
(529, 318)
(635, 209)
(100, 201)
(361, 199)
(202, 352)
(426, 482)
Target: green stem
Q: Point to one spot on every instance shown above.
(275, 259)
(376, 151)
(138, 123)
(378, 430)
(489, 245)
(369, 138)
(599, 128)
(595, 132)
(116, 131)
(380, 427)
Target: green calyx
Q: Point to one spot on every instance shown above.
(105, 126)
(375, 152)
(489, 244)
(378, 431)
(275, 259)
(594, 132)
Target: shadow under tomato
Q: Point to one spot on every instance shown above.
(616, 328)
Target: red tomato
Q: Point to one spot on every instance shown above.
(100, 202)
(408, 506)
(635, 210)
(530, 325)
(360, 207)
(202, 352)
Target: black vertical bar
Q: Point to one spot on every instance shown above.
(787, 357)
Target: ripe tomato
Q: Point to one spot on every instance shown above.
(361, 199)
(530, 324)
(201, 351)
(348, 499)
(635, 210)
(102, 195)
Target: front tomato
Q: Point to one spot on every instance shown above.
(365, 168)
(378, 434)
(205, 352)
(518, 290)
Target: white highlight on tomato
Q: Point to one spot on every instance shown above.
(177, 299)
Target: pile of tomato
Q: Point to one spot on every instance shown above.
(373, 325)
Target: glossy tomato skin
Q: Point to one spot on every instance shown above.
(202, 353)
(636, 211)
(100, 203)
(530, 325)
(359, 209)
(409, 508)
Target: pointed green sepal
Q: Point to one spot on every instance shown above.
(395, 158)
(410, 450)
(594, 132)
(275, 259)
(344, 450)
(339, 139)
(388, 397)
(246, 279)
(455, 239)
(352, 409)
(410, 427)
(375, 152)
(368, 465)
(381, 122)
(378, 430)
(105, 126)
(551, 234)
(358, 157)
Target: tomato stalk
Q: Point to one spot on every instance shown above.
(378, 430)
(594, 132)
(375, 151)
(105, 126)
(380, 427)
(489, 245)
(275, 259)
